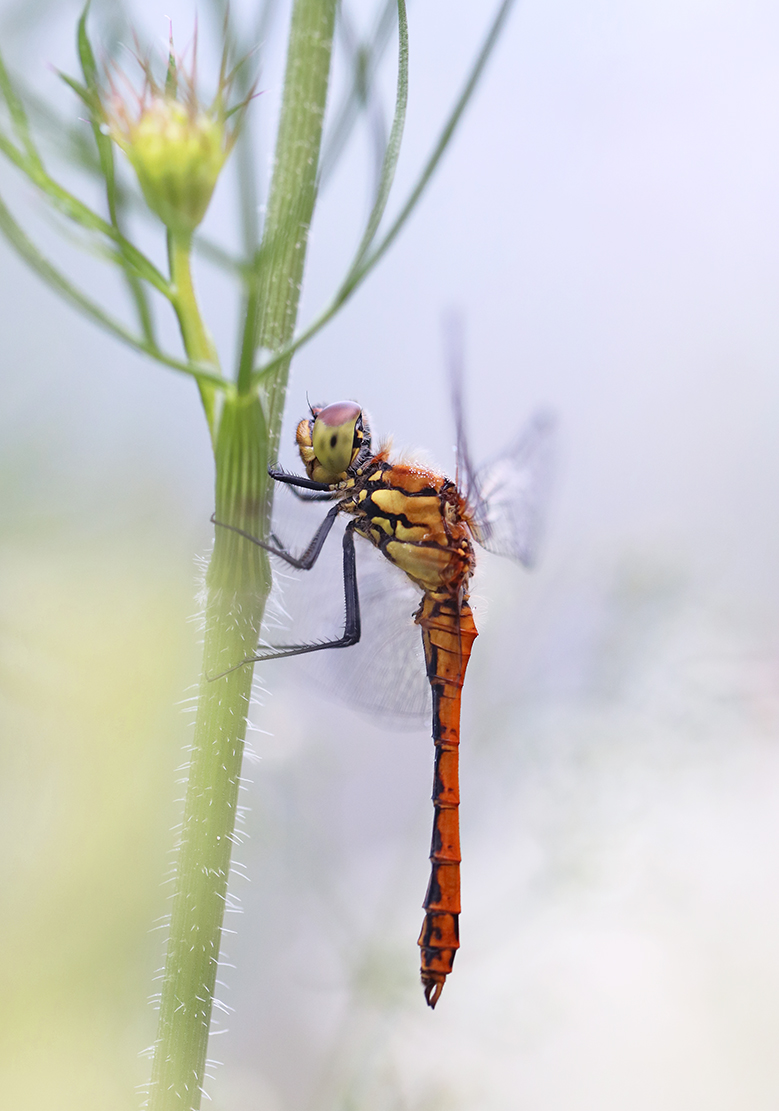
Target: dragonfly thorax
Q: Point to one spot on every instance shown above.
(417, 519)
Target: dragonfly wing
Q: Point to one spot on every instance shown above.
(465, 475)
(509, 494)
(507, 497)
(383, 675)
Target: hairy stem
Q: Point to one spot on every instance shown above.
(238, 577)
(238, 583)
(275, 291)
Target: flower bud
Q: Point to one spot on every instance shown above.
(176, 146)
(177, 155)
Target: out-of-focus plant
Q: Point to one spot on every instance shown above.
(177, 146)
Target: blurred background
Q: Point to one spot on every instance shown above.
(606, 221)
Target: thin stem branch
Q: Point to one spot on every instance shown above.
(105, 151)
(438, 151)
(81, 214)
(197, 342)
(57, 281)
(364, 58)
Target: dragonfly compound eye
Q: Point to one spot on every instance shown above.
(337, 436)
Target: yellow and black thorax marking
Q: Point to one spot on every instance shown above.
(416, 518)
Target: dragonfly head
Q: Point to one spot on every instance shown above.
(333, 441)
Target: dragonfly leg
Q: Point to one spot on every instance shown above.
(278, 474)
(351, 633)
(309, 557)
(327, 495)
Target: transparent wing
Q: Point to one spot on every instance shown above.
(465, 474)
(384, 674)
(509, 495)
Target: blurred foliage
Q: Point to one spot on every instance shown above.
(86, 810)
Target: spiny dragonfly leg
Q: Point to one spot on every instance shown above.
(309, 557)
(351, 633)
(326, 496)
(298, 482)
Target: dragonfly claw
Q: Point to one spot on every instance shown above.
(433, 989)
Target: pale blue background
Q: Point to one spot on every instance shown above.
(607, 221)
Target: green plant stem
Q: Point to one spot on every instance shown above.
(367, 258)
(274, 294)
(238, 584)
(197, 342)
(238, 577)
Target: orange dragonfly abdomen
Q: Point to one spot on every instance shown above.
(417, 519)
(448, 631)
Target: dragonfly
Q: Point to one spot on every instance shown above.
(425, 524)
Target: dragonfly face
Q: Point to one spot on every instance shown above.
(420, 521)
(333, 441)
